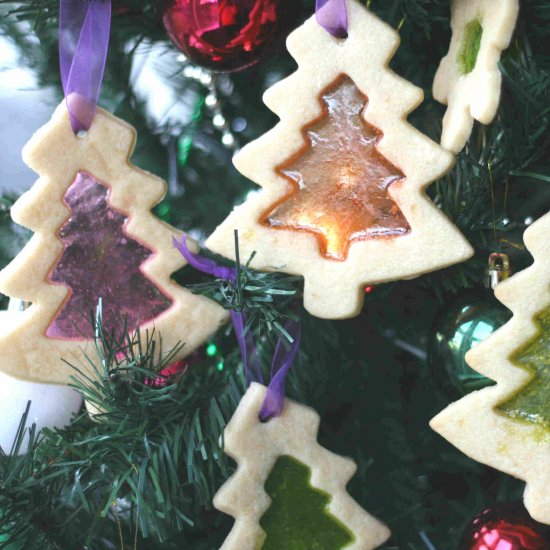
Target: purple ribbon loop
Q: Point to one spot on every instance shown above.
(282, 359)
(332, 15)
(84, 27)
(249, 356)
(251, 364)
(206, 265)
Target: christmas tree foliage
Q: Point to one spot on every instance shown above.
(532, 403)
(101, 260)
(340, 180)
(144, 477)
(298, 518)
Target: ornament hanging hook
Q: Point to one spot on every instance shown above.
(498, 269)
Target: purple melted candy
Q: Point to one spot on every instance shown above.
(101, 260)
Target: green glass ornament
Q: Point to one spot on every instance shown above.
(468, 320)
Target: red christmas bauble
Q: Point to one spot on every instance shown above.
(227, 35)
(167, 375)
(505, 527)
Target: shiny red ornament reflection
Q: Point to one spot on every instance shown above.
(505, 527)
(226, 35)
(167, 375)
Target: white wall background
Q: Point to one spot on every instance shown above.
(23, 109)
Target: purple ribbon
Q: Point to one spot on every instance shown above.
(206, 265)
(282, 359)
(238, 318)
(247, 347)
(332, 15)
(84, 27)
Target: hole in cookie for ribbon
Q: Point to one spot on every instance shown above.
(339, 181)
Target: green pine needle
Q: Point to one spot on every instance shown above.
(145, 466)
(268, 299)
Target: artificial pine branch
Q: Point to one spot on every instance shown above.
(413, 480)
(268, 299)
(28, 488)
(145, 467)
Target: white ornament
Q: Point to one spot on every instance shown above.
(52, 405)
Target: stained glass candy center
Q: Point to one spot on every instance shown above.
(339, 179)
(100, 260)
(532, 402)
(298, 518)
(469, 50)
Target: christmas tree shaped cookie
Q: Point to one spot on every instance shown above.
(95, 240)
(343, 174)
(288, 492)
(468, 78)
(507, 426)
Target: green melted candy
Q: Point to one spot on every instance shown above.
(467, 55)
(532, 402)
(298, 518)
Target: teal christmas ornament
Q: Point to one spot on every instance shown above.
(5, 536)
(462, 324)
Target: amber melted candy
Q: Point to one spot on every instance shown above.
(339, 179)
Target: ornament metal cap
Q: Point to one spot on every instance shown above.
(498, 269)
